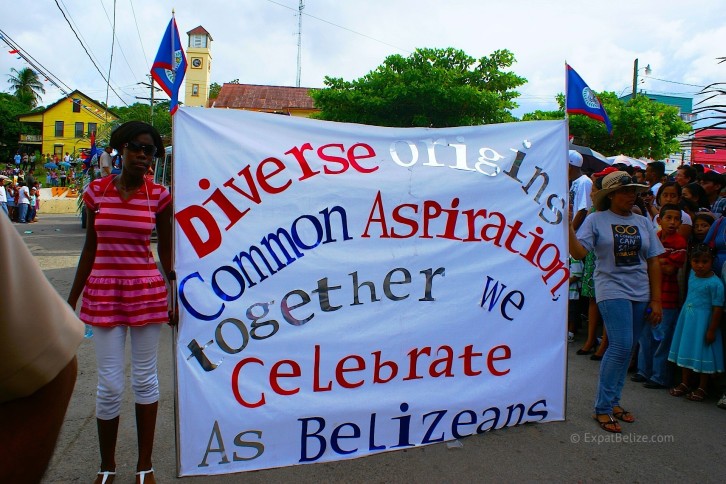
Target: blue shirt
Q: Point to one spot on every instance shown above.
(622, 246)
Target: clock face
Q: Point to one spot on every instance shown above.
(196, 62)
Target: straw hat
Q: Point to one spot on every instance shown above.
(615, 181)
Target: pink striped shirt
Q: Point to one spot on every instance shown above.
(125, 286)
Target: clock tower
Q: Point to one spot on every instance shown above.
(198, 74)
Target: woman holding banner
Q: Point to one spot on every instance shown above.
(124, 291)
(627, 284)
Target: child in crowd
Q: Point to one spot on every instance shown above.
(576, 270)
(694, 199)
(670, 192)
(655, 341)
(702, 222)
(697, 346)
(31, 205)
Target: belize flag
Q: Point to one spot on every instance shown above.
(94, 152)
(170, 64)
(581, 100)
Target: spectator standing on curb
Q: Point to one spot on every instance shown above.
(685, 174)
(23, 202)
(655, 341)
(3, 195)
(654, 173)
(712, 184)
(105, 162)
(580, 188)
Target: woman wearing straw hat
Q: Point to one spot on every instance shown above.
(627, 284)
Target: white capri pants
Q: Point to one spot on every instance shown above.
(110, 346)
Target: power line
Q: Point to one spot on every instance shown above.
(87, 54)
(118, 42)
(113, 42)
(64, 88)
(146, 58)
(80, 33)
(675, 82)
(77, 29)
(343, 28)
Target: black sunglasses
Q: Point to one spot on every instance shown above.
(147, 149)
(626, 180)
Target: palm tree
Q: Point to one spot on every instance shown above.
(26, 86)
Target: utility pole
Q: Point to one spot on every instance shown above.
(648, 71)
(151, 99)
(299, 41)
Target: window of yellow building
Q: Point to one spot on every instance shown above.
(195, 89)
(59, 129)
(79, 130)
(92, 127)
(76, 105)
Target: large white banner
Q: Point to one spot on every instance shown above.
(346, 290)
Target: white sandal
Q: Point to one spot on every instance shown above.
(142, 475)
(106, 475)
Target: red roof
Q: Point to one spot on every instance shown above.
(263, 98)
(199, 30)
(709, 147)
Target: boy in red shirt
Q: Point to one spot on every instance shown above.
(655, 341)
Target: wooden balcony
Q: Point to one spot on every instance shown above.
(31, 138)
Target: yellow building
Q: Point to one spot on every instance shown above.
(66, 125)
(199, 59)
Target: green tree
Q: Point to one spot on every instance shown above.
(142, 112)
(25, 86)
(10, 127)
(214, 89)
(641, 127)
(430, 88)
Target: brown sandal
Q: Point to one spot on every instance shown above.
(680, 390)
(623, 415)
(697, 395)
(609, 425)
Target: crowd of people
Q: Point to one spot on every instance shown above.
(647, 255)
(20, 188)
(20, 195)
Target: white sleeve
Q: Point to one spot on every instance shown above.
(582, 199)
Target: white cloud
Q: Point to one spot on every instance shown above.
(255, 40)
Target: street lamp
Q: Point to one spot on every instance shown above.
(648, 70)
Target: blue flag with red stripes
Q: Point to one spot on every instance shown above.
(581, 99)
(170, 65)
(94, 151)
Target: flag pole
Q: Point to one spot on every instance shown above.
(173, 59)
(567, 117)
(174, 294)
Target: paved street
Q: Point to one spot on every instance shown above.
(672, 440)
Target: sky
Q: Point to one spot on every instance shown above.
(256, 41)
